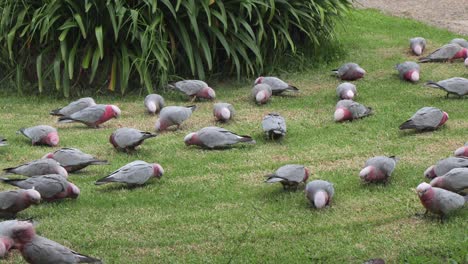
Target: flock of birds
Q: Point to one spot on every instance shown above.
(47, 177)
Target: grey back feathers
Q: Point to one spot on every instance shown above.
(443, 53)
(74, 107)
(445, 165)
(47, 185)
(426, 118)
(456, 180)
(277, 85)
(190, 87)
(455, 85)
(176, 115)
(36, 133)
(134, 173)
(357, 110)
(73, 159)
(315, 186)
(129, 138)
(216, 137)
(154, 103)
(460, 41)
(383, 163)
(274, 126)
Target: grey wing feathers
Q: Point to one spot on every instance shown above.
(443, 53)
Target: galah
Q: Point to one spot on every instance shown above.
(350, 110)
(74, 107)
(173, 116)
(134, 173)
(127, 139)
(261, 93)
(215, 137)
(277, 85)
(462, 151)
(12, 202)
(319, 193)
(445, 165)
(40, 250)
(11, 234)
(456, 180)
(38, 167)
(439, 201)
(290, 176)
(426, 118)
(41, 135)
(274, 126)
(448, 52)
(455, 85)
(349, 72)
(73, 159)
(3, 141)
(460, 41)
(346, 90)
(223, 112)
(408, 71)
(154, 103)
(51, 187)
(92, 116)
(194, 89)
(378, 169)
(417, 45)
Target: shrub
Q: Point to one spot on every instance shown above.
(116, 43)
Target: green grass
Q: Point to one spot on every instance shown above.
(213, 207)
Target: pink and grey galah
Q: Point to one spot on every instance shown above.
(173, 116)
(378, 169)
(194, 89)
(456, 180)
(460, 41)
(319, 193)
(349, 110)
(41, 135)
(349, 72)
(38, 167)
(223, 112)
(456, 85)
(154, 103)
(261, 93)
(3, 141)
(445, 165)
(40, 250)
(134, 173)
(127, 139)
(73, 159)
(215, 137)
(290, 176)
(74, 107)
(439, 201)
(11, 234)
(448, 52)
(346, 91)
(426, 119)
(51, 187)
(277, 85)
(15, 201)
(462, 151)
(417, 45)
(408, 71)
(274, 126)
(92, 116)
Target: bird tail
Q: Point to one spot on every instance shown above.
(65, 119)
(3, 142)
(434, 85)
(334, 72)
(408, 124)
(99, 162)
(103, 180)
(192, 107)
(272, 178)
(247, 139)
(87, 259)
(10, 181)
(171, 86)
(148, 135)
(424, 60)
(369, 111)
(293, 88)
(21, 131)
(55, 112)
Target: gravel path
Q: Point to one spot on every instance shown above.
(449, 14)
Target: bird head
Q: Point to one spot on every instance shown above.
(423, 188)
(33, 196)
(190, 139)
(158, 170)
(342, 114)
(437, 182)
(430, 172)
(258, 80)
(73, 191)
(461, 152)
(48, 156)
(52, 139)
(116, 111)
(61, 171)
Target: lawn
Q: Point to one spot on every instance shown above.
(213, 207)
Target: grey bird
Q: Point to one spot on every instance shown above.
(51, 187)
(134, 173)
(456, 180)
(426, 118)
(349, 72)
(462, 151)
(215, 137)
(460, 41)
(456, 85)
(3, 141)
(290, 176)
(40, 250)
(346, 91)
(15, 201)
(350, 110)
(378, 169)
(73, 159)
(223, 112)
(38, 167)
(194, 89)
(92, 116)
(10, 232)
(448, 52)
(173, 116)
(417, 45)
(127, 139)
(445, 165)
(274, 126)
(408, 71)
(41, 135)
(439, 201)
(261, 93)
(154, 103)
(74, 107)
(319, 193)
(277, 85)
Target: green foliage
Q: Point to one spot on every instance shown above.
(115, 43)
